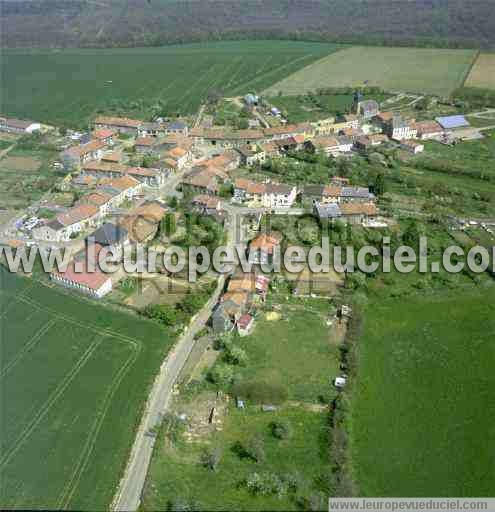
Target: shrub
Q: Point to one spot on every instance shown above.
(255, 449)
(210, 459)
(280, 430)
(261, 392)
(222, 375)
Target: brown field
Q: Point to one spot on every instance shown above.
(483, 72)
(20, 163)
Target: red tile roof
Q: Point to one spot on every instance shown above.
(92, 280)
(84, 149)
(77, 214)
(104, 133)
(266, 243)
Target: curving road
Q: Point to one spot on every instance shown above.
(128, 496)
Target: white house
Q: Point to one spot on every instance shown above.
(278, 195)
(76, 156)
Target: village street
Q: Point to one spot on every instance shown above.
(128, 495)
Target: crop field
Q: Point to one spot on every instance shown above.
(74, 380)
(68, 86)
(421, 407)
(483, 72)
(431, 71)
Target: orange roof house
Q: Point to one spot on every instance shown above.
(266, 243)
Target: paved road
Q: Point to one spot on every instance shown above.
(128, 496)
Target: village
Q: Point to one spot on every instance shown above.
(255, 356)
(128, 175)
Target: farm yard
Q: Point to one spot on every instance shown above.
(483, 72)
(75, 376)
(68, 86)
(430, 71)
(422, 402)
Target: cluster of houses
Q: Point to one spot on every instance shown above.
(84, 274)
(90, 210)
(236, 307)
(352, 205)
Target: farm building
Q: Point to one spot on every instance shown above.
(452, 122)
(8, 124)
(429, 130)
(352, 213)
(119, 124)
(94, 283)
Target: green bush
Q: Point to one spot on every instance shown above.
(261, 392)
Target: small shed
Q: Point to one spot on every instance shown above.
(268, 408)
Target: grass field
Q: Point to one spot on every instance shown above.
(281, 353)
(68, 86)
(422, 407)
(74, 380)
(483, 72)
(431, 71)
(303, 108)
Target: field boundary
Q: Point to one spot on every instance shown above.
(470, 69)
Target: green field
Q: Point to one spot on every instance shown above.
(422, 410)
(279, 353)
(75, 377)
(68, 86)
(431, 71)
(302, 108)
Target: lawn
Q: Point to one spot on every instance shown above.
(431, 71)
(483, 72)
(75, 377)
(422, 408)
(68, 86)
(280, 353)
